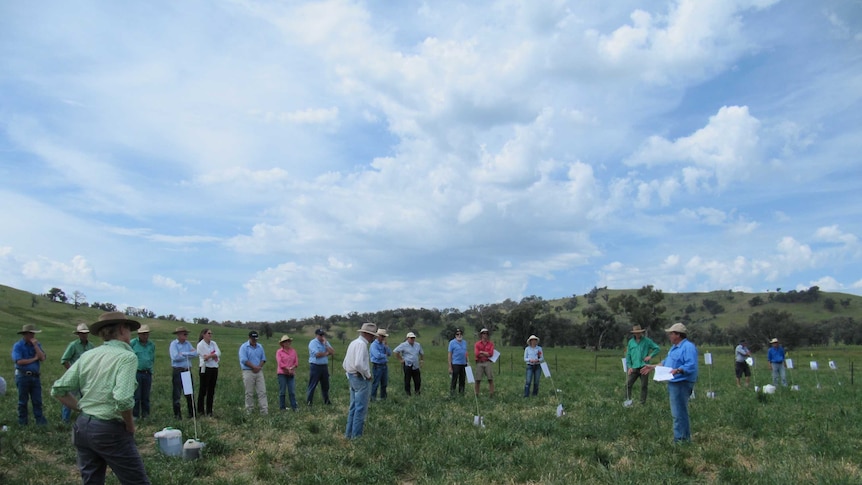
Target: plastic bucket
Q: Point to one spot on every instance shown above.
(192, 449)
(170, 441)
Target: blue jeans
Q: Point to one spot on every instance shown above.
(381, 379)
(779, 372)
(359, 394)
(318, 373)
(29, 389)
(142, 394)
(286, 384)
(107, 443)
(679, 393)
(534, 372)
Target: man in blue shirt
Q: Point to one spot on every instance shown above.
(319, 352)
(182, 352)
(457, 362)
(27, 355)
(380, 353)
(251, 361)
(775, 356)
(682, 359)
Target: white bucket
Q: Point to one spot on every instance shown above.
(170, 441)
(192, 449)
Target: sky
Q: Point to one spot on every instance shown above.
(266, 160)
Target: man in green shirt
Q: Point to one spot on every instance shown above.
(74, 351)
(146, 352)
(639, 352)
(104, 433)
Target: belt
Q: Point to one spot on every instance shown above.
(180, 369)
(29, 373)
(145, 371)
(378, 365)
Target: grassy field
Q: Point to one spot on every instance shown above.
(808, 436)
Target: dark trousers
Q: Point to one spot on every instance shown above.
(459, 374)
(319, 374)
(380, 373)
(107, 443)
(412, 374)
(634, 376)
(178, 392)
(29, 389)
(206, 393)
(142, 394)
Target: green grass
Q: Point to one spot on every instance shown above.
(809, 436)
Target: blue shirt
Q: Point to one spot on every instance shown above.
(315, 347)
(247, 353)
(458, 351)
(182, 354)
(379, 352)
(683, 356)
(531, 353)
(775, 354)
(24, 350)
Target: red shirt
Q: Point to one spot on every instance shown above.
(483, 347)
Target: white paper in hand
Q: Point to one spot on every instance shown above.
(187, 383)
(662, 373)
(495, 356)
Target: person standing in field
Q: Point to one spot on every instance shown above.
(287, 361)
(27, 355)
(319, 352)
(741, 365)
(640, 351)
(209, 355)
(380, 353)
(104, 432)
(776, 356)
(181, 351)
(484, 351)
(74, 351)
(682, 359)
(251, 361)
(411, 356)
(146, 353)
(457, 362)
(356, 365)
(533, 357)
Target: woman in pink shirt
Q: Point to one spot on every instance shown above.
(287, 361)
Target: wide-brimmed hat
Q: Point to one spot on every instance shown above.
(382, 332)
(484, 330)
(285, 338)
(637, 329)
(81, 328)
(113, 318)
(29, 328)
(532, 337)
(677, 327)
(411, 335)
(181, 330)
(369, 328)
(774, 341)
(144, 329)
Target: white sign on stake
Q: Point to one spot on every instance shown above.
(625, 366)
(789, 363)
(813, 365)
(832, 365)
(707, 358)
(186, 377)
(546, 370)
(470, 378)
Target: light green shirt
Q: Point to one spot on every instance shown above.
(74, 351)
(106, 378)
(146, 353)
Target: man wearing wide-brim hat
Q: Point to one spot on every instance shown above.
(380, 353)
(639, 352)
(776, 357)
(682, 360)
(146, 352)
(103, 434)
(74, 351)
(356, 365)
(182, 353)
(27, 354)
(411, 356)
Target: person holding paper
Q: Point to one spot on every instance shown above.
(776, 357)
(182, 352)
(640, 351)
(457, 362)
(208, 377)
(741, 353)
(484, 350)
(533, 357)
(682, 361)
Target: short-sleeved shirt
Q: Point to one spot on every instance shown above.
(459, 351)
(411, 354)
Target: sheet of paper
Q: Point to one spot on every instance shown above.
(546, 370)
(625, 366)
(707, 358)
(750, 361)
(187, 383)
(470, 378)
(832, 365)
(495, 356)
(662, 373)
(813, 365)
(789, 363)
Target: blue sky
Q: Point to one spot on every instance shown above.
(267, 160)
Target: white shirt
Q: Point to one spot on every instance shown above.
(207, 349)
(356, 359)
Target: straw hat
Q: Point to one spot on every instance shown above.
(677, 327)
(369, 328)
(29, 328)
(532, 337)
(144, 329)
(637, 329)
(181, 330)
(285, 338)
(774, 341)
(411, 335)
(382, 332)
(113, 318)
(82, 328)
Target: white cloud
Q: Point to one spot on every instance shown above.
(168, 283)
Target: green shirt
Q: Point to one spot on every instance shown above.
(106, 378)
(74, 351)
(638, 350)
(146, 353)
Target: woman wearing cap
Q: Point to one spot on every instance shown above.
(287, 361)
(533, 357)
(209, 354)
